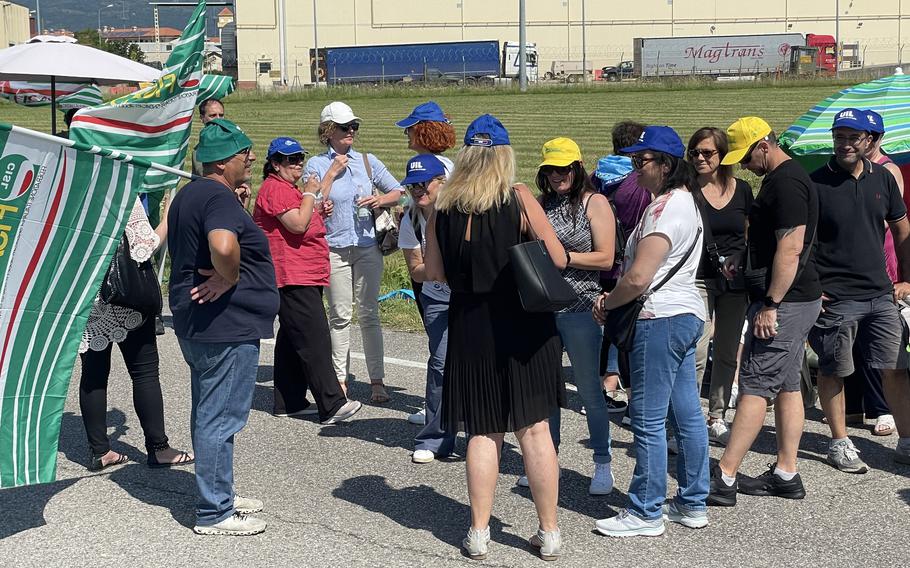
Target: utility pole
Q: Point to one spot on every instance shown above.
(315, 46)
(283, 41)
(837, 38)
(522, 48)
(584, 46)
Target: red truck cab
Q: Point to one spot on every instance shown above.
(827, 51)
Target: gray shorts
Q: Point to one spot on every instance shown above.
(771, 366)
(875, 325)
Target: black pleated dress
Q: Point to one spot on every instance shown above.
(503, 364)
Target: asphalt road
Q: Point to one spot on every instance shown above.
(348, 495)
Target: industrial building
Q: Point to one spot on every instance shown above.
(14, 24)
(274, 38)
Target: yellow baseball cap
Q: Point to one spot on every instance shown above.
(560, 152)
(741, 135)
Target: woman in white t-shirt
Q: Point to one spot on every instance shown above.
(662, 359)
(426, 177)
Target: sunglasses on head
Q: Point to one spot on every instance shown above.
(293, 159)
(638, 162)
(350, 127)
(706, 154)
(560, 170)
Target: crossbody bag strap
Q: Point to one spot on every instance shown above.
(682, 261)
(369, 170)
(524, 213)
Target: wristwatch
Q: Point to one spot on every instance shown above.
(770, 303)
(568, 259)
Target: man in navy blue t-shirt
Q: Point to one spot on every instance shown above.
(224, 299)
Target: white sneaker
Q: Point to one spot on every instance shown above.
(418, 418)
(626, 524)
(422, 456)
(347, 410)
(691, 519)
(672, 445)
(718, 432)
(602, 481)
(547, 543)
(477, 543)
(237, 524)
(734, 395)
(523, 480)
(246, 505)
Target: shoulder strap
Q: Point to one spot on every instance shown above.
(524, 213)
(366, 166)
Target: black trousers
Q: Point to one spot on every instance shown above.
(863, 389)
(140, 353)
(303, 354)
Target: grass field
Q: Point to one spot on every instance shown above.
(585, 115)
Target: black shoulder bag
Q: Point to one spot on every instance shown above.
(131, 284)
(541, 287)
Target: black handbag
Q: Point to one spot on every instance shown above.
(130, 284)
(385, 219)
(541, 287)
(619, 325)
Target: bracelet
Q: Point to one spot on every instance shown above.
(568, 259)
(315, 196)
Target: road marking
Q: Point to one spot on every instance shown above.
(362, 357)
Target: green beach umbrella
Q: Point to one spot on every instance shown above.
(808, 140)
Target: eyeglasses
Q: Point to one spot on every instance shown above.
(561, 170)
(293, 159)
(407, 131)
(245, 153)
(638, 162)
(350, 127)
(855, 140)
(417, 189)
(694, 153)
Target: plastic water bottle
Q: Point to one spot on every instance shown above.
(361, 212)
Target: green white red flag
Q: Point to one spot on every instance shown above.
(63, 208)
(69, 95)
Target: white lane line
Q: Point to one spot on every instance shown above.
(362, 357)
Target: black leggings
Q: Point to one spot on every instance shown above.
(140, 353)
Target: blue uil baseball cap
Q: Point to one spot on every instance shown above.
(426, 112)
(486, 130)
(422, 168)
(874, 122)
(286, 147)
(658, 139)
(851, 118)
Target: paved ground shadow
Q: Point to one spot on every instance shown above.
(23, 507)
(573, 496)
(74, 444)
(421, 508)
(171, 488)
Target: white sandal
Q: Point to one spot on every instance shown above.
(884, 425)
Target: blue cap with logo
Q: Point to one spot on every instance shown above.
(658, 139)
(486, 130)
(874, 122)
(426, 112)
(285, 146)
(851, 118)
(422, 168)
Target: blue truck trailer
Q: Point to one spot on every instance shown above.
(454, 62)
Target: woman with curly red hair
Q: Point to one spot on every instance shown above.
(429, 132)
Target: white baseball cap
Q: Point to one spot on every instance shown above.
(337, 112)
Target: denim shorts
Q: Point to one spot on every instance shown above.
(875, 325)
(771, 366)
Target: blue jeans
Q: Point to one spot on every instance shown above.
(432, 436)
(582, 338)
(223, 380)
(662, 364)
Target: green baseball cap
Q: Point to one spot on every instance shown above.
(220, 139)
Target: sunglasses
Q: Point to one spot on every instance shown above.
(561, 170)
(638, 162)
(706, 154)
(350, 127)
(748, 157)
(293, 159)
(417, 189)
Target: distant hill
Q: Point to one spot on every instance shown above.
(77, 15)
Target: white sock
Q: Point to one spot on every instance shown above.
(727, 479)
(785, 475)
(834, 440)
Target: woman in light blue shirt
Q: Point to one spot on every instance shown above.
(347, 178)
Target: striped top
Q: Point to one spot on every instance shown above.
(574, 232)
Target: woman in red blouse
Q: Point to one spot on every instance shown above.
(293, 222)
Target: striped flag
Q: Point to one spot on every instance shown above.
(69, 95)
(215, 87)
(154, 122)
(63, 207)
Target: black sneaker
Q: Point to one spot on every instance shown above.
(159, 325)
(771, 484)
(615, 406)
(721, 494)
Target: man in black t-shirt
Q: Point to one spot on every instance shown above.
(786, 299)
(223, 295)
(857, 198)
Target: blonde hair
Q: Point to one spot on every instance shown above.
(325, 131)
(481, 179)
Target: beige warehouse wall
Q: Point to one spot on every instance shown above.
(13, 24)
(555, 25)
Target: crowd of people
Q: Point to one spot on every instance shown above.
(721, 274)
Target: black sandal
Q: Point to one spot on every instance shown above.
(183, 458)
(97, 464)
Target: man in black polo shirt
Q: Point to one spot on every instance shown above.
(856, 199)
(786, 298)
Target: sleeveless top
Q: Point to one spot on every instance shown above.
(891, 265)
(574, 233)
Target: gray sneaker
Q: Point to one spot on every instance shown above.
(547, 543)
(349, 409)
(236, 525)
(902, 451)
(685, 517)
(246, 506)
(476, 544)
(843, 455)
